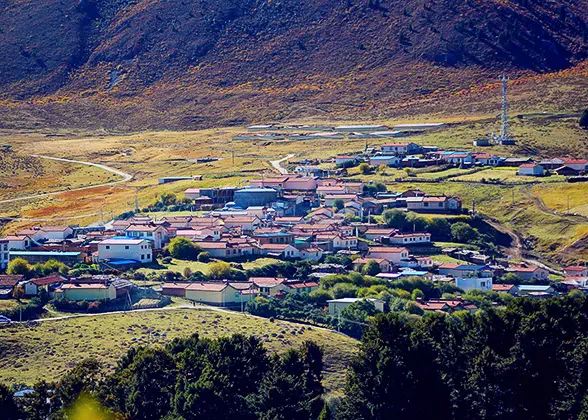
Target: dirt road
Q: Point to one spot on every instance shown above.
(277, 164)
(125, 178)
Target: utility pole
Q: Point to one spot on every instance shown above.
(505, 128)
(568, 204)
(513, 199)
(233, 155)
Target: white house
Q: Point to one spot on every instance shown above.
(311, 254)
(280, 250)
(4, 254)
(531, 169)
(576, 271)
(34, 286)
(400, 148)
(337, 305)
(385, 160)
(125, 249)
(410, 239)
(57, 232)
(18, 243)
(222, 293)
(478, 283)
(393, 254)
(156, 234)
(577, 164)
(529, 273)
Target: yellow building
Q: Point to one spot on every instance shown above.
(221, 293)
(86, 291)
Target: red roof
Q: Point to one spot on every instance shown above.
(389, 249)
(44, 281)
(449, 265)
(301, 284)
(8, 280)
(502, 287)
(266, 281)
(207, 287)
(575, 268)
(528, 165)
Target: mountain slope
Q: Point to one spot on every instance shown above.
(214, 58)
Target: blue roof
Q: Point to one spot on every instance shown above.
(413, 273)
(533, 287)
(472, 267)
(123, 262)
(255, 190)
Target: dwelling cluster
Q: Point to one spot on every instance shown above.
(99, 287)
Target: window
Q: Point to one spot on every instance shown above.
(126, 247)
(483, 284)
(426, 204)
(107, 246)
(142, 256)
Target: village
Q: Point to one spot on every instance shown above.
(308, 214)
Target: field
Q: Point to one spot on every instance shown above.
(50, 348)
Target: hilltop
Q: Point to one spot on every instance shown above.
(138, 64)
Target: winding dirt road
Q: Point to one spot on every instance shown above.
(125, 178)
(277, 164)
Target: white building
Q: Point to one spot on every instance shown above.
(410, 239)
(4, 255)
(393, 254)
(531, 169)
(385, 160)
(478, 283)
(155, 234)
(125, 249)
(18, 243)
(337, 305)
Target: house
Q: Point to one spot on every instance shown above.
(245, 223)
(336, 241)
(174, 289)
(8, 283)
(311, 254)
(337, 305)
(446, 305)
(516, 162)
(531, 169)
(269, 286)
(385, 266)
(377, 234)
(222, 293)
(566, 171)
(460, 159)
(4, 255)
(331, 189)
(400, 148)
(485, 159)
(34, 286)
(535, 291)
(386, 160)
(342, 160)
(393, 254)
(553, 163)
(18, 243)
(35, 234)
(424, 262)
(87, 291)
(432, 204)
(124, 249)
(228, 249)
(157, 235)
(505, 288)
(300, 286)
(273, 236)
(577, 164)
(529, 273)
(280, 250)
(407, 239)
(576, 271)
(465, 270)
(331, 198)
(57, 232)
(483, 284)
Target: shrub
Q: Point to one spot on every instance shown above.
(183, 249)
(204, 257)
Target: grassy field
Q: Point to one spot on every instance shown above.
(50, 348)
(508, 176)
(179, 266)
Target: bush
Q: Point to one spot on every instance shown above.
(365, 168)
(167, 260)
(204, 257)
(18, 266)
(183, 249)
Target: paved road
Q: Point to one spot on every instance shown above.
(277, 164)
(125, 178)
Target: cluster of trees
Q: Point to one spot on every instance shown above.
(190, 378)
(529, 360)
(20, 266)
(169, 202)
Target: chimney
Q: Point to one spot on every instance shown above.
(419, 300)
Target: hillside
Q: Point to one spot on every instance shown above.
(133, 64)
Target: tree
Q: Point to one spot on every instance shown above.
(18, 266)
(204, 257)
(325, 412)
(439, 228)
(219, 270)
(338, 204)
(85, 377)
(365, 168)
(167, 199)
(8, 406)
(183, 249)
(38, 404)
(382, 169)
(417, 294)
(584, 120)
(372, 268)
(355, 315)
(395, 219)
(464, 233)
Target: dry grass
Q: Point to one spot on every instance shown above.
(51, 348)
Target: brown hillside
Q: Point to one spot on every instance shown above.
(182, 64)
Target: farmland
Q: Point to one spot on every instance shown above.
(50, 348)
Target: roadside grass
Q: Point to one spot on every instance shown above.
(49, 349)
(508, 176)
(556, 197)
(442, 258)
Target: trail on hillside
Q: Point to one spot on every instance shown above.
(125, 178)
(277, 164)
